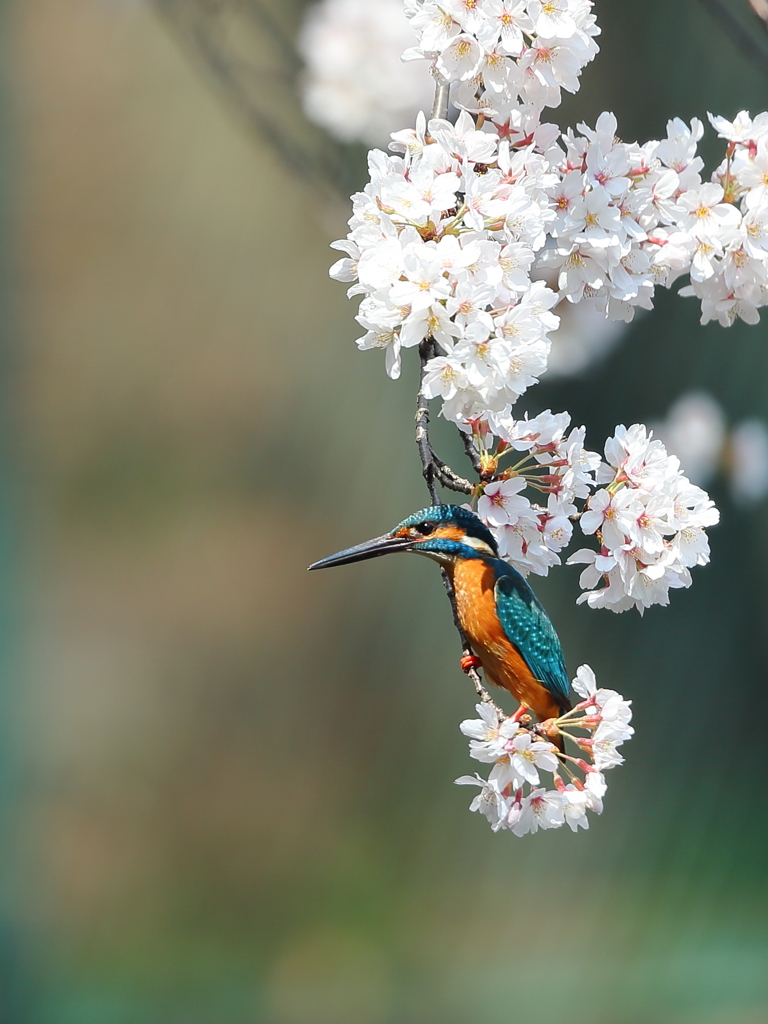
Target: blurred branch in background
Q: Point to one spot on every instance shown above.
(250, 53)
(741, 35)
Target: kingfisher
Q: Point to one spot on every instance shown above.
(509, 632)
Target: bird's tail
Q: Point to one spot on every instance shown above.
(565, 707)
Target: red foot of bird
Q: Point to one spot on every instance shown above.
(469, 661)
(521, 712)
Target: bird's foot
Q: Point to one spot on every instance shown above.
(468, 662)
(521, 713)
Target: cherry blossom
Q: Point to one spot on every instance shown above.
(512, 52)
(650, 521)
(514, 797)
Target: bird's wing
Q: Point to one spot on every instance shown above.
(527, 626)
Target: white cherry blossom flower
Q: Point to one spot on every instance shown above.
(584, 683)
(552, 18)
(461, 59)
(605, 752)
(444, 377)
(706, 216)
(595, 787)
(490, 801)
(512, 24)
(540, 809)
(576, 802)
(743, 129)
(528, 755)
(650, 520)
(612, 514)
(489, 735)
(501, 502)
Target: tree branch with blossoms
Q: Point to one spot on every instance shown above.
(448, 247)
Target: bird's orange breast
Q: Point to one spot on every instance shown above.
(502, 662)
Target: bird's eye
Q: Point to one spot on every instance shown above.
(425, 528)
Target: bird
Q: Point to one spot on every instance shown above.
(509, 632)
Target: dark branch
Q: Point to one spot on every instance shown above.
(426, 349)
(744, 39)
(448, 478)
(264, 97)
(471, 452)
(255, 12)
(433, 469)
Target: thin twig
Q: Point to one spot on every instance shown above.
(741, 36)
(255, 11)
(422, 425)
(471, 452)
(448, 478)
(205, 30)
(433, 468)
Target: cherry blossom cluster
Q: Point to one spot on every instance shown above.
(447, 239)
(447, 246)
(696, 430)
(514, 797)
(631, 217)
(510, 58)
(553, 461)
(440, 246)
(727, 221)
(622, 214)
(649, 518)
(650, 521)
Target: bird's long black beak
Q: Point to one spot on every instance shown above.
(369, 549)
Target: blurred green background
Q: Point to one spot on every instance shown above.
(226, 786)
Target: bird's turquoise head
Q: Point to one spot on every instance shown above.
(443, 532)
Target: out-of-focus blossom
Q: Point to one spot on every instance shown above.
(354, 84)
(694, 430)
(748, 461)
(585, 337)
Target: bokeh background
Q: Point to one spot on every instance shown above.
(225, 785)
